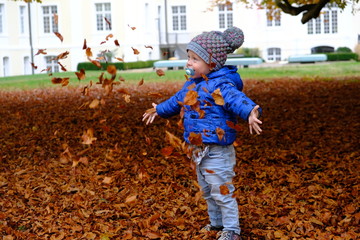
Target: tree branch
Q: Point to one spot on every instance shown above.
(310, 10)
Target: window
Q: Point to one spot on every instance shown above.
(273, 18)
(51, 64)
(27, 66)
(103, 10)
(334, 23)
(326, 23)
(22, 19)
(6, 66)
(225, 15)
(274, 54)
(1, 18)
(50, 25)
(179, 18)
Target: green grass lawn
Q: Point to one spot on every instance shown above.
(308, 71)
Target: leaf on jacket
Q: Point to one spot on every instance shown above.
(233, 125)
(195, 138)
(191, 98)
(220, 133)
(217, 96)
(191, 86)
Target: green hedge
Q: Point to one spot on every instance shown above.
(342, 56)
(118, 65)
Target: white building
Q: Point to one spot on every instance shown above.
(156, 28)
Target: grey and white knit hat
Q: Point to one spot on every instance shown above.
(217, 45)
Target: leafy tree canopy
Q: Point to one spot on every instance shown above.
(309, 8)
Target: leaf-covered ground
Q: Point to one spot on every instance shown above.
(87, 167)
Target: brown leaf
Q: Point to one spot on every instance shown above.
(119, 59)
(41, 51)
(191, 98)
(108, 22)
(109, 36)
(117, 44)
(149, 47)
(131, 199)
(220, 133)
(224, 190)
(88, 137)
(81, 74)
(160, 72)
(84, 45)
(132, 28)
(195, 139)
(111, 69)
(89, 52)
(136, 52)
(141, 82)
(217, 96)
(233, 125)
(59, 36)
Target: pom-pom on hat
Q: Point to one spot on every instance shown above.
(217, 45)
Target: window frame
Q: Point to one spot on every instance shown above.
(275, 54)
(100, 24)
(178, 18)
(51, 63)
(23, 20)
(225, 15)
(2, 19)
(53, 27)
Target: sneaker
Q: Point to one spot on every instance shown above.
(229, 235)
(209, 228)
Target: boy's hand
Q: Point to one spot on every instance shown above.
(254, 121)
(150, 114)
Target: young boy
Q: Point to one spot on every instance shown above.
(218, 101)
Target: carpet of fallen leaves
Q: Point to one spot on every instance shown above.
(87, 167)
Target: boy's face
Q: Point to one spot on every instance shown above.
(196, 63)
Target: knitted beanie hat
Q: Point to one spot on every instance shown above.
(217, 45)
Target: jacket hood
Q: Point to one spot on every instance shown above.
(230, 74)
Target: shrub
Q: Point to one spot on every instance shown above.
(248, 52)
(343, 50)
(342, 56)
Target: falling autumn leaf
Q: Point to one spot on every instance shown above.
(62, 55)
(62, 67)
(81, 74)
(34, 66)
(210, 171)
(84, 45)
(136, 52)
(119, 59)
(59, 36)
(96, 63)
(89, 52)
(217, 96)
(109, 36)
(56, 19)
(41, 51)
(149, 47)
(108, 22)
(117, 43)
(63, 81)
(132, 28)
(141, 82)
(191, 98)
(160, 72)
(111, 69)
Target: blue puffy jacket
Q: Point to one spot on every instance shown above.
(236, 104)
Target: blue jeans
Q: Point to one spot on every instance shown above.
(216, 169)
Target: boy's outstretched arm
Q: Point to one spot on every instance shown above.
(254, 121)
(150, 114)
